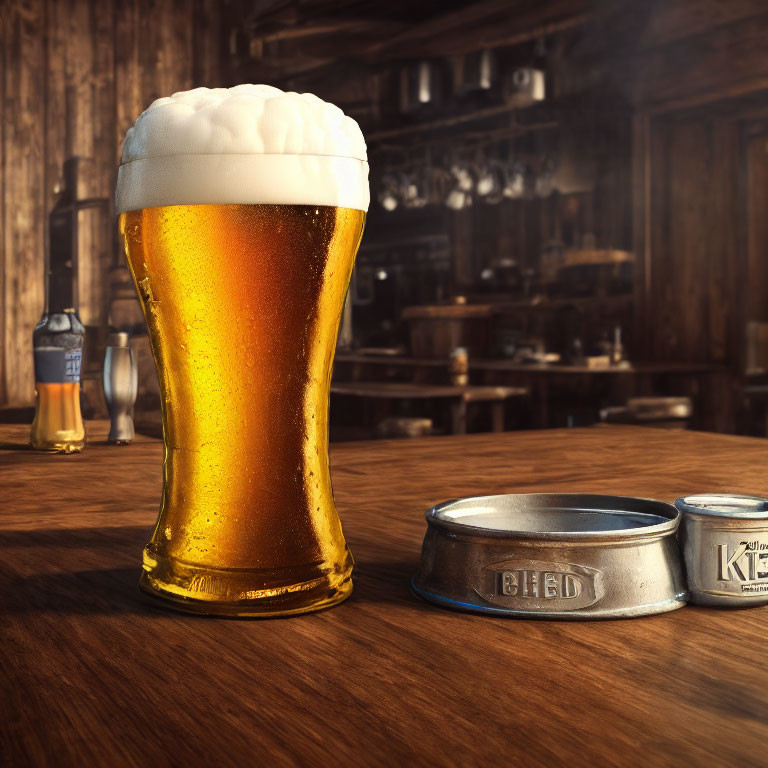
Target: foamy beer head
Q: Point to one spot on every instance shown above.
(241, 211)
(247, 144)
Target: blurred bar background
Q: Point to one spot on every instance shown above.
(568, 218)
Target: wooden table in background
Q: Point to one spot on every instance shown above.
(457, 397)
(92, 676)
(709, 385)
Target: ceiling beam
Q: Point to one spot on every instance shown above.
(297, 33)
(491, 22)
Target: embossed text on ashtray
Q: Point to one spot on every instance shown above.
(537, 585)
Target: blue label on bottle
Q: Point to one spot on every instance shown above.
(72, 360)
(54, 365)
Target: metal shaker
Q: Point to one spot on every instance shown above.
(121, 385)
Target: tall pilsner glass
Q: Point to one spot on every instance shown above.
(241, 211)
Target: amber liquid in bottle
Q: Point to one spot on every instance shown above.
(58, 424)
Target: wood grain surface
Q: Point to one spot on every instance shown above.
(92, 675)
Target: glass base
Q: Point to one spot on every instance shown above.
(215, 592)
(59, 447)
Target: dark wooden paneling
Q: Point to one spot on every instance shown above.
(685, 283)
(58, 94)
(127, 72)
(101, 171)
(659, 304)
(4, 38)
(725, 273)
(692, 230)
(23, 112)
(701, 72)
(756, 157)
(641, 234)
(207, 58)
(83, 30)
(80, 73)
(481, 24)
(728, 60)
(693, 185)
(74, 76)
(461, 230)
(164, 48)
(673, 20)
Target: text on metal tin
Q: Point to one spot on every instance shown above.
(541, 586)
(745, 565)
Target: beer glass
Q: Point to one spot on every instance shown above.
(241, 211)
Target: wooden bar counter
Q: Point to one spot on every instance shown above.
(93, 676)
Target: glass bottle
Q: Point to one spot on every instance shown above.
(58, 342)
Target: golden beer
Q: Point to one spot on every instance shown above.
(58, 423)
(243, 303)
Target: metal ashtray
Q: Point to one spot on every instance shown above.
(725, 543)
(564, 556)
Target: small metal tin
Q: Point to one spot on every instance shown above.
(725, 544)
(563, 556)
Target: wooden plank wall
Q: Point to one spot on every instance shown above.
(701, 71)
(722, 54)
(74, 75)
(756, 216)
(23, 162)
(693, 176)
